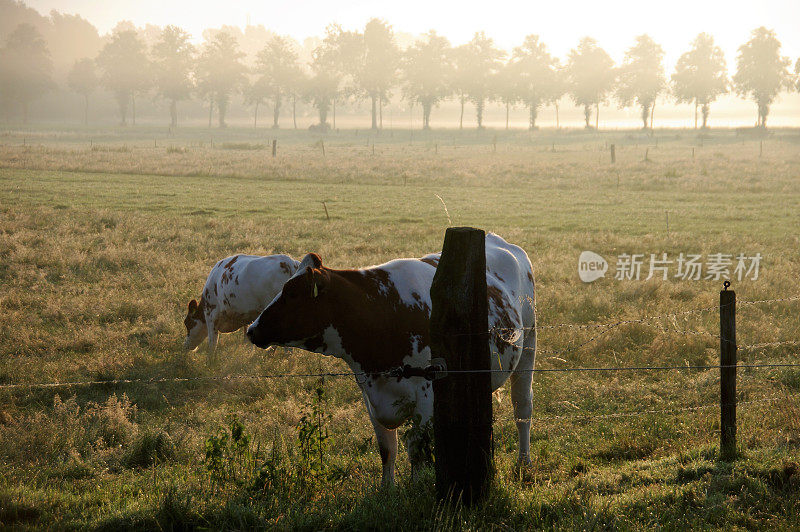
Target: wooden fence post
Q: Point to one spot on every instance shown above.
(274, 147)
(727, 359)
(462, 402)
(613, 153)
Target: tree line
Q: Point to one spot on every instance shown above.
(369, 65)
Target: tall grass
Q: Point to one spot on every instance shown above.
(101, 250)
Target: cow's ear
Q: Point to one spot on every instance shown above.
(192, 305)
(319, 281)
(311, 260)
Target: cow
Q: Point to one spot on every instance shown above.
(236, 291)
(377, 318)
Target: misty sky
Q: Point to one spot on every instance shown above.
(561, 23)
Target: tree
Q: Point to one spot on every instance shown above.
(506, 87)
(426, 71)
(220, 73)
(125, 70)
(641, 76)
(700, 76)
(797, 71)
(560, 88)
(482, 61)
(279, 75)
(82, 79)
(330, 61)
(460, 78)
(590, 75)
(173, 57)
(535, 70)
(25, 68)
(761, 71)
(378, 67)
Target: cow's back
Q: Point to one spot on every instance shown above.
(239, 287)
(509, 268)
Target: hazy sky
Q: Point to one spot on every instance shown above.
(561, 23)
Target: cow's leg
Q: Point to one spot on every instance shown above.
(213, 334)
(522, 399)
(387, 445)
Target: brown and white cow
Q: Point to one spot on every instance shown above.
(236, 291)
(377, 318)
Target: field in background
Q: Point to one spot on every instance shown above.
(105, 235)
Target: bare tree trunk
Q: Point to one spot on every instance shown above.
(255, 116)
(652, 115)
(173, 113)
(645, 115)
(597, 117)
(222, 109)
(334, 114)
(558, 126)
(380, 110)
(85, 109)
(695, 113)
(479, 113)
(294, 110)
(210, 110)
(374, 112)
(426, 116)
(587, 115)
(507, 106)
(461, 119)
(276, 112)
(532, 117)
(706, 109)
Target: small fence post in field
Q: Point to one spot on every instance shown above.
(462, 402)
(322, 143)
(760, 148)
(613, 153)
(727, 361)
(274, 147)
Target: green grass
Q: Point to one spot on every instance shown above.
(100, 249)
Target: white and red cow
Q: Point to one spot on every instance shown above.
(236, 291)
(377, 318)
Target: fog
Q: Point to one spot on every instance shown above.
(338, 76)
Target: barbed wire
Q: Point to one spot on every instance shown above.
(385, 374)
(498, 331)
(637, 413)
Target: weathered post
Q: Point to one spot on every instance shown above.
(613, 153)
(727, 361)
(274, 147)
(462, 419)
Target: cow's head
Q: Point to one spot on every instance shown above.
(300, 313)
(195, 323)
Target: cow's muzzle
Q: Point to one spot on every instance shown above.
(255, 337)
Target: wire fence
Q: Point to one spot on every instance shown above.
(399, 373)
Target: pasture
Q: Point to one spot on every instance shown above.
(106, 235)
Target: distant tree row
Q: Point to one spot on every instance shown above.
(351, 66)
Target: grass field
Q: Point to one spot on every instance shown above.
(105, 236)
